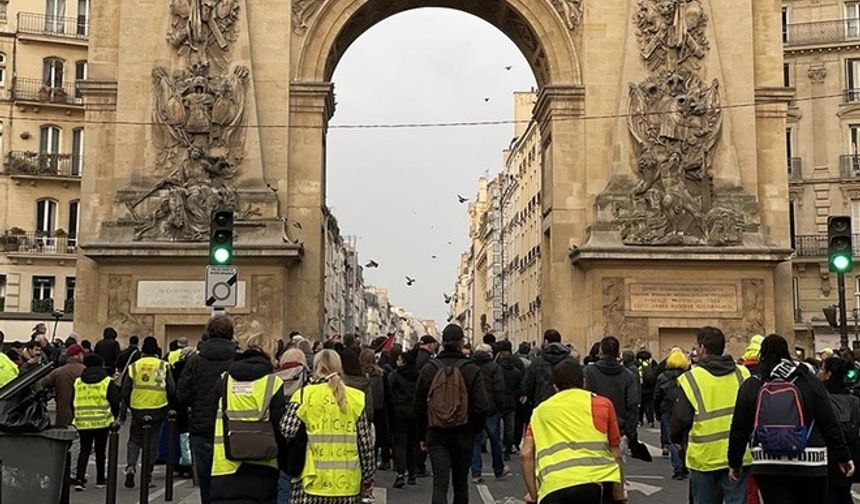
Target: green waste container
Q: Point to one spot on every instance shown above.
(34, 465)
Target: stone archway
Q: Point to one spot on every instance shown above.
(323, 31)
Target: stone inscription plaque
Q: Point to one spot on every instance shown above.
(698, 298)
(177, 294)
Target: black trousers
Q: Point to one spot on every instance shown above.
(646, 409)
(791, 489)
(405, 442)
(581, 494)
(383, 435)
(451, 456)
(839, 495)
(99, 437)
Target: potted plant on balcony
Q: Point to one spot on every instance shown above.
(44, 94)
(42, 306)
(58, 95)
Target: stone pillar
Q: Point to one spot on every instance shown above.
(558, 112)
(311, 107)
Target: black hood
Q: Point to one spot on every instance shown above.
(409, 371)
(217, 349)
(250, 365)
(555, 353)
(93, 374)
(718, 365)
(481, 358)
(506, 361)
(609, 367)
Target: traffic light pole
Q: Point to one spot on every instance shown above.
(843, 313)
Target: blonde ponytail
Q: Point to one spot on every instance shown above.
(327, 366)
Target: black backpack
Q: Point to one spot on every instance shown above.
(649, 373)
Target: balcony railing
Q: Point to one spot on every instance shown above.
(37, 90)
(42, 305)
(822, 32)
(795, 168)
(37, 243)
(851, 95)
(816, 245)
(43, 164)
(849, 165)
(53, 26)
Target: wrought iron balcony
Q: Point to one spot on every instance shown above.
(821, 32)
(851, 95)
(53, 26)
(816, 245)
(849, 165)
(795, 168)
(36, 90)
(16, 242)
(43, 164)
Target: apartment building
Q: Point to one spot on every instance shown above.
(43, 57)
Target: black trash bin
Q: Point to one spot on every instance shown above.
(34, 465)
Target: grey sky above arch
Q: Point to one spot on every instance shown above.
(533, 26)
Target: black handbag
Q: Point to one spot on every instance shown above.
(249, 440)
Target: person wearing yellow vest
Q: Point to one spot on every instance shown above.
(176, 353)
(96, 403)
(145, 390)
(571, 449)
(704, 412)
(8, 368)
(254, 394)
(339, 462)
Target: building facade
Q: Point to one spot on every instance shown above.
(43, 58)
(821, 42)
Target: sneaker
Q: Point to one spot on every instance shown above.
(411, 481)
(129, 479)
(665, 451)
(400, 482)
(678, 477)
(505, 473)
(383, 466)
(507, 457)
(477, 480)
(101, 484)
(80, 486)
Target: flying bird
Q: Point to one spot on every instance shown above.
(447, 298)
(462, 199)
(434, 257)
(371, 264)
(508, 68)
(410, 281)
(486, 100)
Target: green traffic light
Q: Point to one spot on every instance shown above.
(841, 263)
(222, 255)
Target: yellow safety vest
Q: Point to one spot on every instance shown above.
(92, 408)
(332, 465)
(713, 399)
(149, 383)
(8, 369)
(173, 357)
(569, 450)
(249, 402)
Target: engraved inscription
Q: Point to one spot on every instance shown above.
(176, 294)
(705, 298)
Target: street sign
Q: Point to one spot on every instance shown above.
(222, 286)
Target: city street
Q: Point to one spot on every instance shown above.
(648, 483)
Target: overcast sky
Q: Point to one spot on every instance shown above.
(397, 189)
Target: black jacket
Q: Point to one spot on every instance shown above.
(95, 375)
(494, 382)
(125, 357)
(108, 349)
(422, 359)
(667, 391)
(538, 382)
(478, 402)
(608, 378)
(402, 383)
(196, 388)
(513, 375)
(847, 409)
(815, 402)
(252, 483)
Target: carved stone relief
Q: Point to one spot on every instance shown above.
(262, 316)
(570, 11)
(119, 315)
(817, 74)
(303, 12)
(739, 331)
(202, 30)
(675, 120)
(630, 330)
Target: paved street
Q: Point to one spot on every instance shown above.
(649, 483)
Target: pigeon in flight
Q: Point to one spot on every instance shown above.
(410, 281)
(462, 199)
(447, 298)
(486, 100)
(434, 257)
(371, 264)
(508, 68)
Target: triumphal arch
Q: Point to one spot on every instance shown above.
(662, 124)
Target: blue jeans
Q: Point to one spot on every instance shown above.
(713, 487)
(284, 488)
(678, 465)
(201, 453)
(492, 429)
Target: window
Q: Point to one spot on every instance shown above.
(792, 223)
(55, 11)
(74, 222)
(852, 80)
(52, 72)
(795, 297)
(3, 8)
(2, 66)
(784, 25)
(855, 216)
(77, 151)
(81, 71)
(43, 288)
(46, 216)
(70, 290)
(2, 293)
(786, 74)
(852, 19)
(83, 17)
(49, 148)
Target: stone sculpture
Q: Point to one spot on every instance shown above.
(202, 30)
(570, 11)
(675, 121)
(303, 11)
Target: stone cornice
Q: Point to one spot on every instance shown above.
(95, 87)
(559, 101)
(772, 102)
(312, 97)
(821, 48)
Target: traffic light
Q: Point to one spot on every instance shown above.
(839, 251)
(221, 237)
